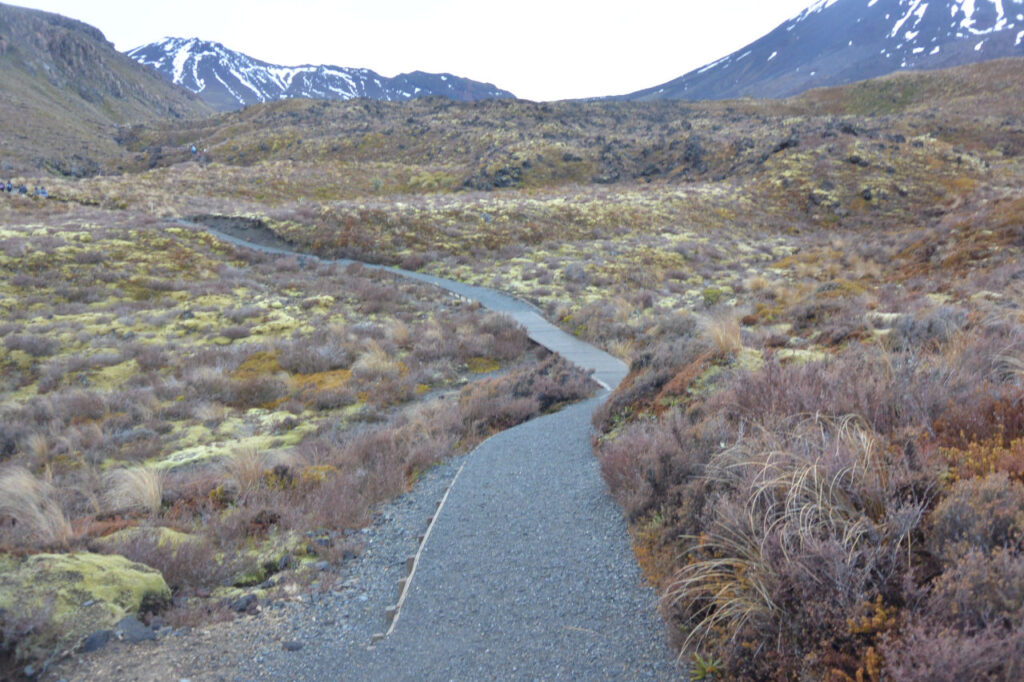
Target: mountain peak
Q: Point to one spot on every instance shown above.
(229, 80)
(833, 42)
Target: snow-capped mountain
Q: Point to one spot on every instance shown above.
(229, 80)
(840, 41)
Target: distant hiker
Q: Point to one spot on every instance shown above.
(10, 187)
(43, 193)
(193, 150)
(22, 189)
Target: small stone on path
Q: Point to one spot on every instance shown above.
(133, 631)
(246, 604)
(96, 641)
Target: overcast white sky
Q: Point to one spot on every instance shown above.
(538, 49)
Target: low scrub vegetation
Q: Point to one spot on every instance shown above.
(819, 445)
(138, 419)
(832, 517)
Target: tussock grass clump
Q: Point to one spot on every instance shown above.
(244, 469)
(724, 332)
(137, 487)
(376, 364)
(822, 531)
(30, 510)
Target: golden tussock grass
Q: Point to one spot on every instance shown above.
(622, 348)
(376, 363)
(723, 330)
(244, 468)
(399, 333)
(755, 284)
(32, 505)
(135, 488)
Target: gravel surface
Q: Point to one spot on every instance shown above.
(527, 573)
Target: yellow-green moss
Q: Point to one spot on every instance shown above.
(164, 537)
(478, 365)
(73, 595)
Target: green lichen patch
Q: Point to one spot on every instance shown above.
(68, 596)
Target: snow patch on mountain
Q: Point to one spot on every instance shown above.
(832, 42)
(917, 25)
(229, 80)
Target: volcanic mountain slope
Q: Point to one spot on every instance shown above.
(229, 80)
(834, 42)
(64, 88)
(431, 145)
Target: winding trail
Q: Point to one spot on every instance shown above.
(527, 571)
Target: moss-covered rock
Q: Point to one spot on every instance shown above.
(161, 535)
(65, 597)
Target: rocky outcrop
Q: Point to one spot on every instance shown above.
(50, 602)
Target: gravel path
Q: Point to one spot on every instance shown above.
(527, 572)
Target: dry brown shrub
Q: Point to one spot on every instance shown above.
(324, 350)
(650, 371)
(235, 332)
(433, 343)
(185, 566)
(982, 513)
(929, 652)
(980, 590)
(645, 459)
(258, 391)
(35, 345)
(505, 401)
(77, 404)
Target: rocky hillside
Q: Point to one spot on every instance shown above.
(64, 88)
(834, 42)
(229, 80)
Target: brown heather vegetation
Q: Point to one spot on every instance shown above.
(819, 446)
(208, 411)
